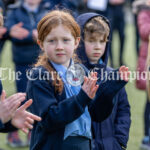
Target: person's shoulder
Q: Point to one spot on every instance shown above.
(14, 6)
(45, 5)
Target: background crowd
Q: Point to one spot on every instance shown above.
(20, 28)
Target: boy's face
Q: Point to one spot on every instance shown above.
(94, 48)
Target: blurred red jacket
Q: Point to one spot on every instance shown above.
(144, 31)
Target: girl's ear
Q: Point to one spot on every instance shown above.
(40, 44)
(77, 41)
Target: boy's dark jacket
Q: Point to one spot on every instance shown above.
(25, 51)
(56, 111)
(112, 133)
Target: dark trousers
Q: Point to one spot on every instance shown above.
(76, 143)
(103, 13)
(147, 119)
(116, 17)
(137, 38)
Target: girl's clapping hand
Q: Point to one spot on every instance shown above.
(89, 86)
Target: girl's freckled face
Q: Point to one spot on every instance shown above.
(59, 45)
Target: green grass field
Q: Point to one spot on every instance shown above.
(136, 98)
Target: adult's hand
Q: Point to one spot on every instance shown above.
(1, 20)
(35, 34)
(8, 106)
(3, 30)
(23, 119)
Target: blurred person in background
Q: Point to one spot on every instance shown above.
(137, 36)
(52, 4)
(3, 30)
(143, 18)
(21, 23)
(76, 7)
(97, 6)
(12, 117)
(148, 69)
(116, 16)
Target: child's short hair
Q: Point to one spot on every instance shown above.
(97, 26)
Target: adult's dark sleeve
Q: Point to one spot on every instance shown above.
(5, 127)
(1, 87)
(8, 127)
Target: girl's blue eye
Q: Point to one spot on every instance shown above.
(51, 41)
(65, 40)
